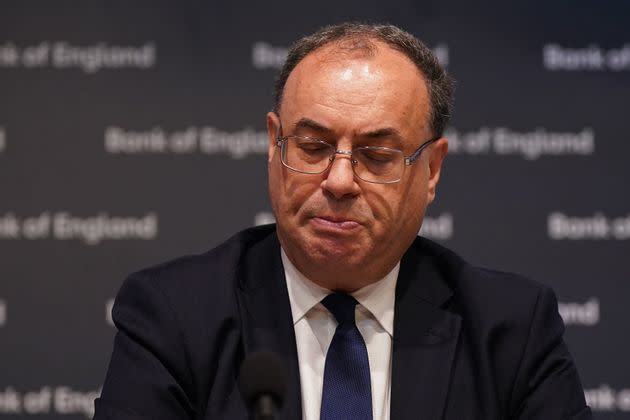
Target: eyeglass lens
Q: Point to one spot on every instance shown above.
(372, 164)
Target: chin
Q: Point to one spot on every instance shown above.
(327, 249)
(334, 251)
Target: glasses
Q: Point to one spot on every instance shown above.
(375, 164)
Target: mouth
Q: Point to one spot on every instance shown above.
(335, 223)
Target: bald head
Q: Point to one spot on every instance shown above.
(362, 41)
(372, 84)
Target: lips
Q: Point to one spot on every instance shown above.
(335, 222)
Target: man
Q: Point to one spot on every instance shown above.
(371, 321)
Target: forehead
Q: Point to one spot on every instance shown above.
(354, 90)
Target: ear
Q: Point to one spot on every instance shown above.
(273, 128)
(437, 153)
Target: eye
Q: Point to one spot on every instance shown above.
(378, 156)
(312, 147)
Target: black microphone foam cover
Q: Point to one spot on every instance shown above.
(262, 373)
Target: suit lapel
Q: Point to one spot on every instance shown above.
(425, 338)
(266, 314)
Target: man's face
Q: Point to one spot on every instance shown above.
(340, 231)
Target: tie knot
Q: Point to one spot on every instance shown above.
(341, 306)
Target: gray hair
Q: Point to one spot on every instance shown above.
(352, 36)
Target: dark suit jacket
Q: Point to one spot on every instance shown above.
(468, 343)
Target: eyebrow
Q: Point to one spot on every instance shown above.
(307, 123)
(382, 132)
(311, 125)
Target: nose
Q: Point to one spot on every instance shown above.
(340, 180)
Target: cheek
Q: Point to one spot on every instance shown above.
(289, 191)
(413, 211)
(384, 205)
(402, 208)
(274, 184)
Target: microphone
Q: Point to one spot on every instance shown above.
(262, 382)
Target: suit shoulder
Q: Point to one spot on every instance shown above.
(500, 284)
(481, 290)
(211, 273)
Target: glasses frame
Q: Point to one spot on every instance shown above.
(408, 160)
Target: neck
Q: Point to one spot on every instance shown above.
(338, 277)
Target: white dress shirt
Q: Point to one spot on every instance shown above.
(315, 326)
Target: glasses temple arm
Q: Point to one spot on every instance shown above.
(412, 157)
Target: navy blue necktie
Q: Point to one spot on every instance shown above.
(347, 392)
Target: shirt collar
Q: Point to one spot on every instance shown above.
(303, 293)
(378, 298)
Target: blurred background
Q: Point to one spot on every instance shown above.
(134, 132)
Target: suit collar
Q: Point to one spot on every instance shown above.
(423, 277)
(266, 314)
(425, 335)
